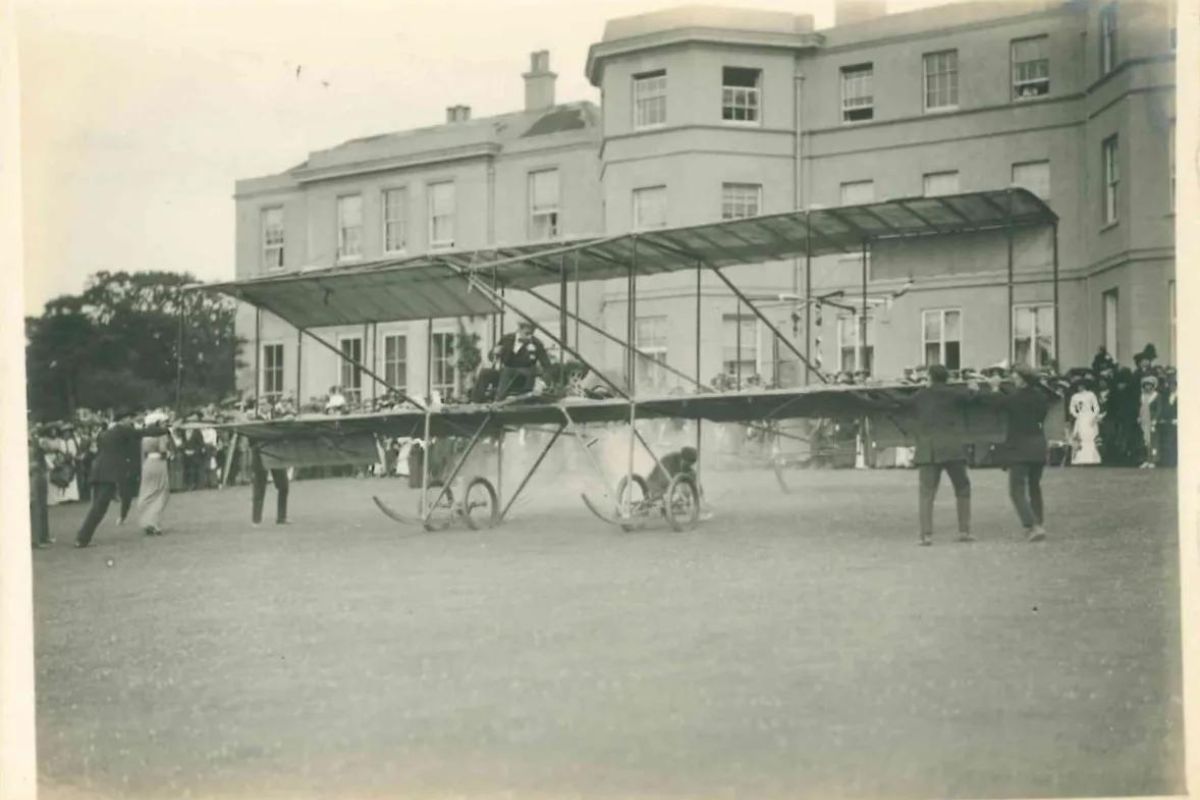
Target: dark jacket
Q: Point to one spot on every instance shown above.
(119, 453)
(526, 355)
(1025, 410)
(673, 464)
(939, 423)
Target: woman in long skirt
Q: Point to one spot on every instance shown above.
(156, 485)
(1085, 408)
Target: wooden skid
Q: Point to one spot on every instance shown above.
(392, 514)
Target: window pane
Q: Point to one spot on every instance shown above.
(740, 200)
(543, 190)
(395, 360)
(543, 204)
(395, 203)
(952, 355)
(1031, 67)
(739, 94)
(857, 93)
(933, 353)
(351, 374)
(1111, 179)
(351, 210)
(1021, 350)
(272, 233)
(441, 214)
(953, 325)
(1045, 319)
(847, 331)
(441, 198)
(350, 225)
(649, 99)
(933, 326)
(1023, 322)
(941, 79)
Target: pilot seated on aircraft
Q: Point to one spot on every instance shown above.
(516, 361)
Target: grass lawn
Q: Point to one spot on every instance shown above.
(797, 645)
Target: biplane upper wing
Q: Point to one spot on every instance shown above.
(446, 283)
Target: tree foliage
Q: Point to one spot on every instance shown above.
(130, 339)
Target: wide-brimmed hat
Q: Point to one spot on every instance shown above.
(1150, 380)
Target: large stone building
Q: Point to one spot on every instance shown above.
(711, 113)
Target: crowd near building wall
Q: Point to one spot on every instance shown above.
(712, 113)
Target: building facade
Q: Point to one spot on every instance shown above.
(710, 114)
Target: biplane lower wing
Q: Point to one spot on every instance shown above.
(349, 438)
(748, 407)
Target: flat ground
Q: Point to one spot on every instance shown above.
(796, 645)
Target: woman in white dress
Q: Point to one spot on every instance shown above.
(1085, 409)
(155, 487)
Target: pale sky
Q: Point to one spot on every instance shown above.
(139, 115)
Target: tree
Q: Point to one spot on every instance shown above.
(131, 339)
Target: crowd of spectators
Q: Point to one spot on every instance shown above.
(1115, 415)
(61, 452)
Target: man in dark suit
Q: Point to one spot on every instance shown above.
(111, 468)
(520, 354)
(940, 428)
(1024, 449)
(258, 478)
(127, 488)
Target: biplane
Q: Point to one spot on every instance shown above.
(474, 283)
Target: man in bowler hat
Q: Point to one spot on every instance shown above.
(111, 468)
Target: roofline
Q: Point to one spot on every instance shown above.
(600, 51)
(351, 168)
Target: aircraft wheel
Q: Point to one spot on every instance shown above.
(440, 515)
(682, 502)
(481, 507)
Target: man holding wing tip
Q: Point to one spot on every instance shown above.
(940, 429)
(1024, 448)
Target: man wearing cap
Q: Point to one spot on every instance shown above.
(111, 468)
(941, 432)
(670, 465)
(1024, 448)
(520, 354)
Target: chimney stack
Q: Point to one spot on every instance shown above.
(457, 114)
(539, 82)
(848, 12)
